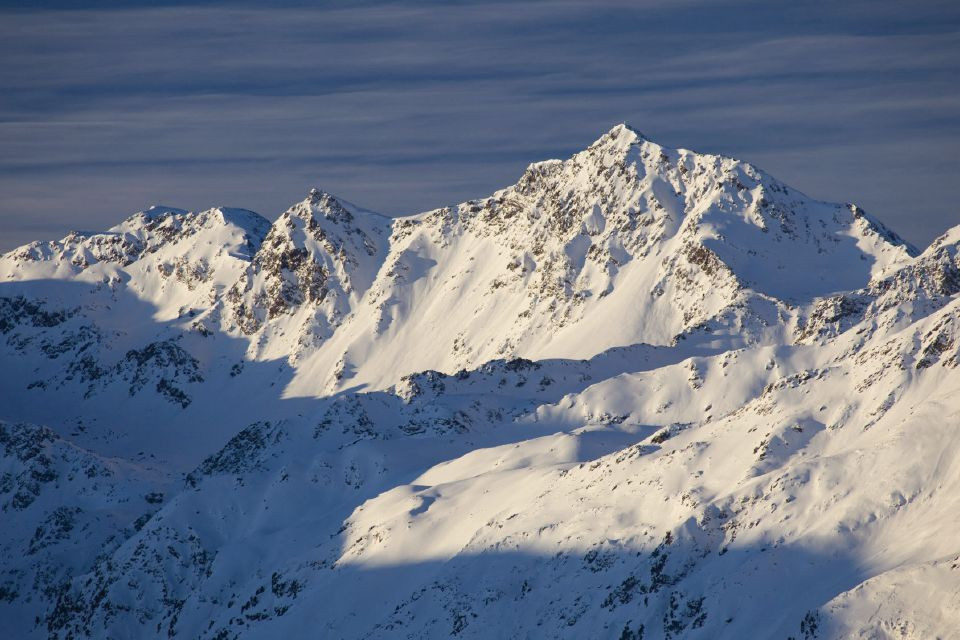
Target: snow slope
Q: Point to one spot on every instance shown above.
(642, 393)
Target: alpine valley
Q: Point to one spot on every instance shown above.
(641, 393)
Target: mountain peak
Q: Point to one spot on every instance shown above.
(245, 219)
(324, 203)
(621, 136)
(159, 210)
(625, 129)
(332, 207)
(950, 237)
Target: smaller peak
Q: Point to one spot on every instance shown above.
(323, 199)
(625, 129)
(317, 195)
(620, 137)
(950, 237)
(236, 211)
(243, 218)
(323, 203)
(155, 214)
(330, 206)
(158, 210)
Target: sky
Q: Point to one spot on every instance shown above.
(108, 107)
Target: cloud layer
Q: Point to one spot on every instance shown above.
(403, 107)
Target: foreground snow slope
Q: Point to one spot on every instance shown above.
(642, 393)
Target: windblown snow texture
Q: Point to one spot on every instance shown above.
(641, 393)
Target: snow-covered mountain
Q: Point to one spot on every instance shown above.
(642, 393)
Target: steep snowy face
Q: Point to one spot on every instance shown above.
(316, 262)
(625, 242)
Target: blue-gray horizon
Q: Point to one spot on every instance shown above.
(402, 107)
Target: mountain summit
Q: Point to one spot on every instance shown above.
(625, 242)
(643, 392)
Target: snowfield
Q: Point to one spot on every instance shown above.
(642, 393)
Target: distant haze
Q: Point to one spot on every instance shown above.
(403, 107)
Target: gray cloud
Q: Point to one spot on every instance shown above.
(403, 107)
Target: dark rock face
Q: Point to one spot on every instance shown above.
(309, 259)
(25, 444)
(241, 454)
(21, 310)
(165, 362)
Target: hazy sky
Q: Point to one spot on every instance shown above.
(407, 106)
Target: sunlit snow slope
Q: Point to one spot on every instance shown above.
(641, 393)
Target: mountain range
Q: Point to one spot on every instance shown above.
(642, 393)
